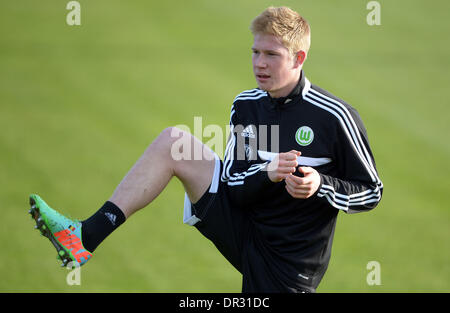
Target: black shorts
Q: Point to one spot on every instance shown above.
(231, 231)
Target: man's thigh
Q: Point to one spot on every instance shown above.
(194, 163)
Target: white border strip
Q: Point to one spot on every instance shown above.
(301, 160)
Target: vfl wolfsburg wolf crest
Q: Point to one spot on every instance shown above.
(304, 136)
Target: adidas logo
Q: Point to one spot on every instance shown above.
(111, 217)
(248, 132)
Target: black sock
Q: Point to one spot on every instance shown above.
(100, 225)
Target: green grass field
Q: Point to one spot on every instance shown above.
(79, 104)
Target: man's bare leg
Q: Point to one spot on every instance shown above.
(75, 240)
(155, 168)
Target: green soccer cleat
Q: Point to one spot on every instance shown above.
(63, 233)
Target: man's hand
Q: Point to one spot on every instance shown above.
(303, 187)
(283, 165)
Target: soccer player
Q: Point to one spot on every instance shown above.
(272, 215)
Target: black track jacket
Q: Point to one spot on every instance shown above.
(332, 139)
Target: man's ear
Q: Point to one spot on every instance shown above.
(300, 58)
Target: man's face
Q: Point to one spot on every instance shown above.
(276, 70)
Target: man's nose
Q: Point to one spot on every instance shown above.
(260, 62)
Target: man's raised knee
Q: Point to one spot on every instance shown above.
(168, 136)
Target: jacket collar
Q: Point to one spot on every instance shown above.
(283, 102)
